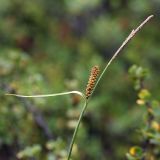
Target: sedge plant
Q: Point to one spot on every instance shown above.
(92, 84)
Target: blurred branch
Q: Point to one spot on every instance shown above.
(150, 117)
(37, 115)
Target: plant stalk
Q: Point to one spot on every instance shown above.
(131, 35)
(76, 129)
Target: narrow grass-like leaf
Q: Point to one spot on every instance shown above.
(47, 95)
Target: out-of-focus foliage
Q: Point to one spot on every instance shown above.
(49, 47)
(150, 129)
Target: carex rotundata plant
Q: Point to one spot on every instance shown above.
(93, 81)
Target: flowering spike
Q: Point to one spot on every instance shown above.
(92, 79)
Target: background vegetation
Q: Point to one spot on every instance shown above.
(49, 47)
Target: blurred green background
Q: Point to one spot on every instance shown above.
(49, 47)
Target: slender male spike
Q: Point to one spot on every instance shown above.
(92, 80)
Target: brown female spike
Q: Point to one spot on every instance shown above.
(92, 80)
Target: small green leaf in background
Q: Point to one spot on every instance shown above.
(135, 153)
(31, 151)
(144, 94)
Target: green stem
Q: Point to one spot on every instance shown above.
(76, 129)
